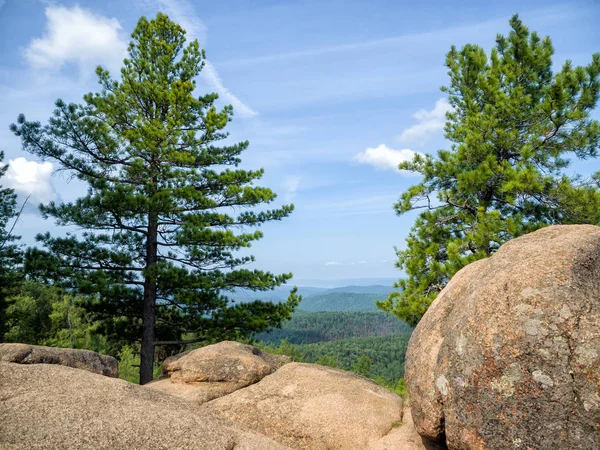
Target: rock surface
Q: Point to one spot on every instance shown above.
(508, 355)
(79, 359)
(307, 406)
(404, 436)
(50, 406)
(215, 370)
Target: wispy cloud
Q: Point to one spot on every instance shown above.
(383, 157)
(545, 16)
(182, 12)
(356, 204)
(31, 179)
(211, 75)
(429, 124)
(290, 187)
(76, 35)
(361, 262)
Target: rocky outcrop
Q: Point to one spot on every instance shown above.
(508, 355)
(50, 407)
(299, 406)
(79, 359)
(404, 436)
(302, 406)
(307, 406)
(215, 370)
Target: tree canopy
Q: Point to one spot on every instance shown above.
(10, 252)
(513, 126)
(166, 210)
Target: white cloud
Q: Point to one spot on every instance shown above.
(182, 12)
(332, 263)
(384, 157)
(76, 35)
(211, 75)
(290, 187)
(429, 123)
(30, 178)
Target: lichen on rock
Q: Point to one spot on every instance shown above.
(509, 352)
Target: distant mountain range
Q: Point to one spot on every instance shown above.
(341, 301)
(329, 284)
(346, 298)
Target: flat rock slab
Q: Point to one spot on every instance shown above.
(51, 406)
(307, 406)
(79, 359)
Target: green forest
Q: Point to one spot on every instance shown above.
(308, 328)
(341, 301)
(379, 358)
(154, 257)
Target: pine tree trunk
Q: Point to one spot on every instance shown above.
(148, 314)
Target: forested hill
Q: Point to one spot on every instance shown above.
(372, 289)
(308, 328)
(347, 298)
(341, 301)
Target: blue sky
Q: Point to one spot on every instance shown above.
(330, 94)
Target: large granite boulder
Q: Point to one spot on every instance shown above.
(79, 359)
(307, 406)
(215, 370)
(54, 407)
(508, 355)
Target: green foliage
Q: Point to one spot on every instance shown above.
(10, 253)
(166, 209)
(284, 348)
(329, 361)
(72, 327)
(129, 365)
(44, 315)
(381, 358)
(398, 387)
(341, 301)
(513, 126)
(307, 328)
(27, 316)
(362, 366)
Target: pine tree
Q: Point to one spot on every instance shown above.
(166, 210)
(513, 126)
(10, 252)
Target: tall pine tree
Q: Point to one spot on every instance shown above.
(10, 252)
(513, 127)
(166, 210)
